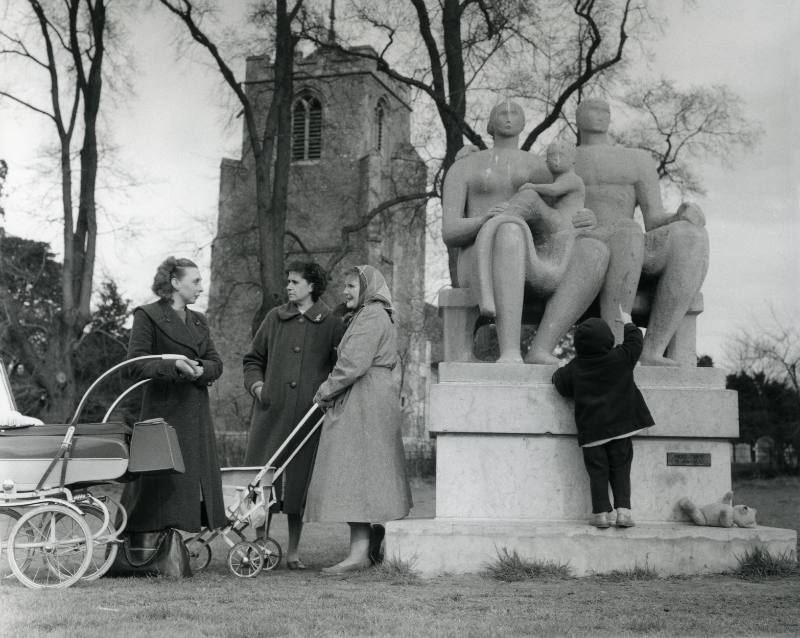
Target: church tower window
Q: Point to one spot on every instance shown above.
(380, 115)
(306, 128)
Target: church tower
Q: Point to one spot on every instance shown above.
(351, 151)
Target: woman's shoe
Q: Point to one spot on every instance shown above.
(295, 564)
(599, 520)
(339, 568)
(376, 534)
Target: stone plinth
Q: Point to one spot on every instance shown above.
(437, 546)
(510, 474)
(507, 445)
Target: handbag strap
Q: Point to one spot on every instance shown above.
(162, 536)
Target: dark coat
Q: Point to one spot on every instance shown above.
(156, 502)
(292, 354)
(600, 379)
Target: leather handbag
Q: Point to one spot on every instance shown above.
(155, 449)
(152, 554)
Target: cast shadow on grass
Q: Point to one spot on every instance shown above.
(759, 565)
(511, 567)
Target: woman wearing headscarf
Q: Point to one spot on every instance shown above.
(360, 475)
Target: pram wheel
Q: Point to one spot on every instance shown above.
(271, 551)
(50, 547)
(245, 559)
(8, 518)
(104, 540)
(199, 553)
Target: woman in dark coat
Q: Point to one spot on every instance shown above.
(291, 354)
(178, 392)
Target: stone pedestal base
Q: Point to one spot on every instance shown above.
(437, 546)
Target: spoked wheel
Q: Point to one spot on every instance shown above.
(271, 551)
(104, 540)
(50, 547)
(245, 559)
(199, 553)
(8, 518)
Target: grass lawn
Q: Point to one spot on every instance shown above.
(392, 602)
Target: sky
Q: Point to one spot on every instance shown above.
(173, 132)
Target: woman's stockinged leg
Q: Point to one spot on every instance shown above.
(295, 522)
(358, 558)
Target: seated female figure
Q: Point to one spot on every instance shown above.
(510, 240)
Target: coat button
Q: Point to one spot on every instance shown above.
(300, 320)
(296, 348)
(293, 384)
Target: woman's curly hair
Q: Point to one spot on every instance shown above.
(169, 268)
(313, 273)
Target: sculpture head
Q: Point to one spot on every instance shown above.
(506, 119)
(593, 115)
(560, 157)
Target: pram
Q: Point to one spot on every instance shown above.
(53, 530)
(251, 494)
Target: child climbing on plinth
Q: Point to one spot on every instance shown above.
(609, 410)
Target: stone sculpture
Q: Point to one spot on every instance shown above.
(509, 240)
(673, 250)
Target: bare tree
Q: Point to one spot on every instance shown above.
(678, 126)
(771, 349)
(69, 49)
(270, 145)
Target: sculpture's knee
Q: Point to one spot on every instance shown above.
(509, 241)
(688, 239)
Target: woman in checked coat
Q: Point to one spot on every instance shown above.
(360, 474)
(290, 356)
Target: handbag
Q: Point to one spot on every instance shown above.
(155, 449)
(152, 554)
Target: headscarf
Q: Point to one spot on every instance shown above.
(373, 288)
(593, 337)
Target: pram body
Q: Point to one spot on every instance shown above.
(250, 496)
(53, 530)
(99, 454)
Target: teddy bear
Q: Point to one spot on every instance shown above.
(721, 514)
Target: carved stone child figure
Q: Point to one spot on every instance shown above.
(609, 410)
(567, 192)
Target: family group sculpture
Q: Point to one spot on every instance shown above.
(563, 230)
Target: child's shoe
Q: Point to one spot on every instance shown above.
(599, 520)
(624, 518)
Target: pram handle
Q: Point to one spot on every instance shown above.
(122, 364)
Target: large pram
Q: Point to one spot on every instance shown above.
(250, 494)
(53, 530)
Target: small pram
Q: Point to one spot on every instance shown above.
(53, 530)
(250, 492)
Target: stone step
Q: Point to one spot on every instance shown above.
(534, 374)
(457, 546)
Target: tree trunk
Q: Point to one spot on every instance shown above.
(272, 194)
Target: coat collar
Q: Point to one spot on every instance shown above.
(171, 323)
(315, 313)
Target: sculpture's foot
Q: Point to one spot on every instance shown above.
(509, 358)
(541, 357)
(656, 360)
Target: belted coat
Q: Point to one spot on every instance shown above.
(292, 354)
(183, 501)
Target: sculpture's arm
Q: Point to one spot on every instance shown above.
(648, 192)
(563, 185)
(457, 229)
